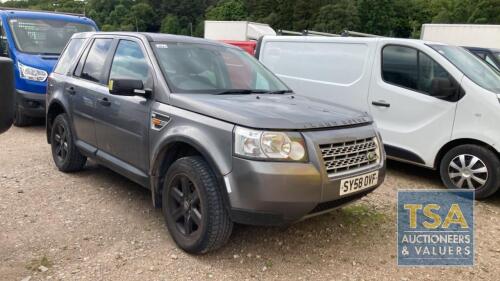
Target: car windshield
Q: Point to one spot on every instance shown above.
(497, 55)
(212, 69)
(42, 36)
(473, 67)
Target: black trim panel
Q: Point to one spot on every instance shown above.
(404, 154)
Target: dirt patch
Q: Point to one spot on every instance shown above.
(97, 225)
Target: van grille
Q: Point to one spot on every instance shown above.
(349, 156)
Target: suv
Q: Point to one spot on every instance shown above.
(214, 135)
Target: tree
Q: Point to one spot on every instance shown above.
(377, 16)
(170, 24)
(334, 18)
(227, 10)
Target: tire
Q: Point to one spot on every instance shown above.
(20, 119)
(483, 176)
(64, 152)
(198, 222)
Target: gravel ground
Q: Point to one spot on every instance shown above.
(97, 225)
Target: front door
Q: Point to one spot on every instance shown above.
(122, 122)
(413, 120)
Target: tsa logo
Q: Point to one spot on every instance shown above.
(436, 228)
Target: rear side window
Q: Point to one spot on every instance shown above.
(94, 64)
(129, 62)
(68, 56)
(411, 69)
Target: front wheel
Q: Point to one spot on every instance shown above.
(471, 167)
(193, 207)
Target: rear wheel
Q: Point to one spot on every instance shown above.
(193, 208)
(64, 151)
(471, 167)
(21, 119)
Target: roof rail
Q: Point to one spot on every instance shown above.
(42, 11)
(317, 33)
(349, 33)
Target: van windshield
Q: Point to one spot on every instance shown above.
(213, 69)
(42, 36)
(473, 67)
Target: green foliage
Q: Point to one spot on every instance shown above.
(334, 18)
(400, 18)
(227, 10)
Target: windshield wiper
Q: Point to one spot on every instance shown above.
(281, 92)
(240, 92)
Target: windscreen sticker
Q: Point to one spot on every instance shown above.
(162, 46)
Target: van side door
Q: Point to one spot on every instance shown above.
(413, 116)
(122, 122)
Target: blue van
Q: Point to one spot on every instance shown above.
(34, 41)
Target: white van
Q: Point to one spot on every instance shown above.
(436, 105)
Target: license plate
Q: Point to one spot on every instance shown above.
(355, 184)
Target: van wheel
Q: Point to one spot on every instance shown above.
(65, 153)
(471, 167)
(193, 208)
(20, 119)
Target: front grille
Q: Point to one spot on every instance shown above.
(348, 156)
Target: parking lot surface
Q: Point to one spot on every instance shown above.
(97, 225)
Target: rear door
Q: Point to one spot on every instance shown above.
(413, 121)
(122, 122)
(86, 88)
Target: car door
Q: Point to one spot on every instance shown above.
(84, 89)
(122, 122)
(413, 120)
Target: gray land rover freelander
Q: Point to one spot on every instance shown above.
(215, 136)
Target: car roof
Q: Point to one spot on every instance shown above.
(156, 37)
(14, 13)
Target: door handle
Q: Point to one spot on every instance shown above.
(381, 103)
(71, 90)
(104, 102)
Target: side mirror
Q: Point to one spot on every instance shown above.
(128, 87)
(6, 94)
(444, 88)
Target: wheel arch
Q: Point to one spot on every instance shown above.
(54, 109)
(457, 142)
(175, 148)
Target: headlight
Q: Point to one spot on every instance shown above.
(31, 73)
(282, 146)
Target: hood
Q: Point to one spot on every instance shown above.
(43, 62)
(279, 112)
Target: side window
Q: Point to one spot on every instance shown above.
(94, 64)
(412, 69)
(129, 63)
(430, 71)
(4, 50)
(400, 66)
(68, 56)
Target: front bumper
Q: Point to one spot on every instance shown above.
(277, 193)
(31, 104)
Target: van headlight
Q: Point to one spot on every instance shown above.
(268, 145)
(31, 73)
